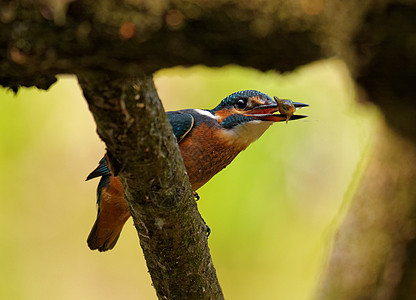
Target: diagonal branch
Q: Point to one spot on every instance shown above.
(145, 156)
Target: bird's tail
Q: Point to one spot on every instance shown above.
(113, 211)
(102, 240)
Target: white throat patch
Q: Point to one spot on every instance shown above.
(247, 133)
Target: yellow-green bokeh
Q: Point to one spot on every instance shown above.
(272, 211)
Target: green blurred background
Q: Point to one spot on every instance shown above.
(273, 211)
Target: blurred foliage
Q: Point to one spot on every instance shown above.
(273, 211)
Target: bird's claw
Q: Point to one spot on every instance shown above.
(206, 227)
(196, 196)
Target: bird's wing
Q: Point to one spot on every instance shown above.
(181, 123)
(101, 170)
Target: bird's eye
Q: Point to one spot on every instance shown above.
(241, 103)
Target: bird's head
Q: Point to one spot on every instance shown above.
(246, 115)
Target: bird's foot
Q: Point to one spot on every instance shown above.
(208, 230)
(196, 196)
(206, 227)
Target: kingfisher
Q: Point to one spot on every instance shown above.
(209, 139)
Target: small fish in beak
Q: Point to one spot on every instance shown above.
(287, 107)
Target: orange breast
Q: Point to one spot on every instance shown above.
(113, 207)
(205, 152)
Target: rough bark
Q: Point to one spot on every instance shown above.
(145, 156)
(39, 39)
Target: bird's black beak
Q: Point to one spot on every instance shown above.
(267, 112)
(300, 105)
(264, 109)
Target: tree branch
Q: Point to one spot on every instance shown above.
(373, 255)
(42, 38)
(144, 154)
